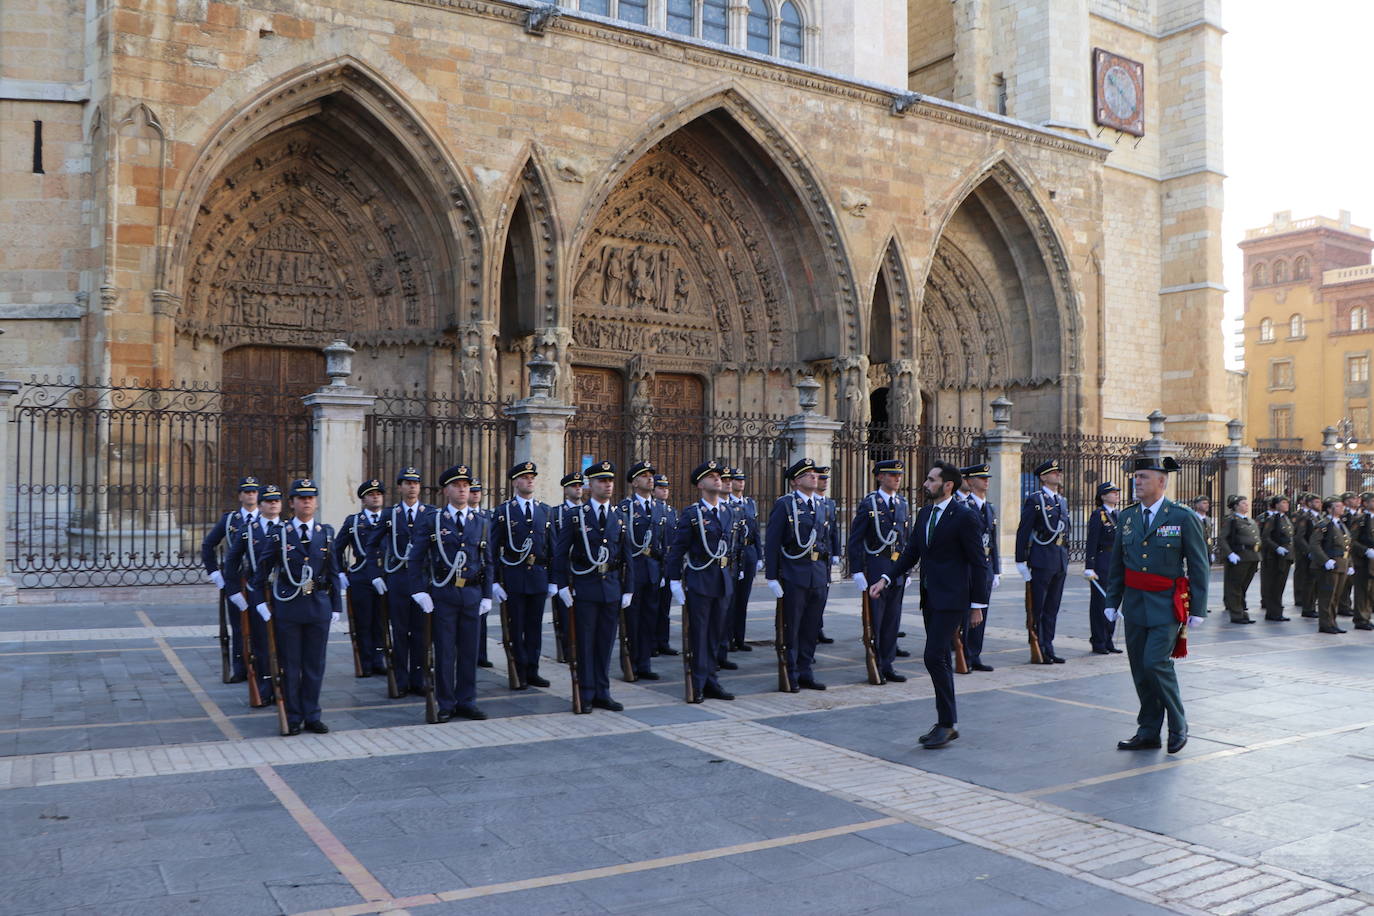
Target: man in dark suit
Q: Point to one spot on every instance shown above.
(1097, 561)
(877, 536)
(572, 484)
(947, 540)
(522, 539)
(977, 479)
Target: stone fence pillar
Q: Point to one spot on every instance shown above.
(541, 424)
(339, 438)
(9, 590)
(1005, 446)
(1240, 466)
(1334, 464)
(811, 434)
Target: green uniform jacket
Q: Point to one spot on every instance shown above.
(1277, 532)
(1330, 542)
(1173, 543)
(1240, 536)
(1302, 532)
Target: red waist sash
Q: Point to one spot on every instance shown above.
(1151, 582)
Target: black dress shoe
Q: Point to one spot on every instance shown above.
(744, 647)
(894, 677)
(443, 717)
(1101, 652)
(468, 711)
(294, 729)
(1176, 742)
(1345, 613)
(666, 650)
(612, 705)
(1057, 659)
(318, 728)
(1115, 651)
(535, 680)
(417, 691)
(1242, 620)
(1364, 626)
(1312, 614)
(485, 663)
(979, 666)
(810, 683)
(939, 737)
(901, 634)
(712, 692)
(696, 697)
(1332, 630)
(824, 639)
(648, 676)
(1138, 743)
(1276, 619)
(728, 665)
(902, 653)
(238, 679)
(586, 710)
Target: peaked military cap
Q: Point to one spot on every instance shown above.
(520, 469)
(1348, 494)
(701, 471)
(459, 472)
(1329, 501)
(1275, 500)
(408, 473)
(601, 470)
(1046, 466)
(1164, 465)
(889, 466)
(639, 467)
(740, 475)
(304, 487)
(823, 473)
(573, 479)
(798, 468)
(270, 491)
(370, 486)
(249, 485)
(476, 485)
(1104, 488)
(661, 480)
(975, 470)
(1366, 496)
(726, 472)
(1233, 499)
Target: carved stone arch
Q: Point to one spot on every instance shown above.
(893, 318)
(529, 212)
(726, 169)
(347, 162)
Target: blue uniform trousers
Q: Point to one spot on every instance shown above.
(887, 622)
(457, 627)
(1047, 589)
(262, 664)
(407, 633)
(482, 639)
(801, 609)
(1101, 629)
(525, 617)
(597, 623)
(236, 666)
(367, 621)
(301, 646)
(641, 618)
(973, 636)
(663, 624)
(706, 618)
(739, 607)
(940, 627)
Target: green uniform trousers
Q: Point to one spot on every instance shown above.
(1330, 587)
(1235, 583)
(1150, 651)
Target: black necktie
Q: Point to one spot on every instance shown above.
(715, 516)
(305, 535)
(1148, 516)
(529, 514)
(601, 517)
(410, 517)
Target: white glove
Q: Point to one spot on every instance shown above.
(334, 617)
(835, 561)
(1330, 564)
(861, 581)
(1350, 571)
(775, 587)
(566, 595)
(425, 602)
(484, 606)
(1111, 614)
(1281, 551)
(1195, 621)
(625, 600)
(760, 567)
(1232, 558)
(1089, 575)
(1370, 553)
(908, 582)
(238, 601)
(1024, 570)
(264, 612)
(662, 582)
(379, 585)
(679, 596)
(553, 590)
(343, 582)
(497, 593)
(996, 580)
(217, 577)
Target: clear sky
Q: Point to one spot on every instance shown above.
(1298, 126)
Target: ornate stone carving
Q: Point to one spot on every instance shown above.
(964, 315)
(853, 202)
(903, 396)
(851, 376)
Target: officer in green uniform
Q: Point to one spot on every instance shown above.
(1304, 589)
(1331, 562)
(1238, 543)
(1363, 555)
(1346, 606)
(1276, 534)
(1158, 543)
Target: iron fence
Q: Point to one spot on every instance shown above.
(1286, 472)
(1086, 462)
(1359, 475)
(433, 432)
(116, 484)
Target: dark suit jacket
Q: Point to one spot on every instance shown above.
(954, 564)
(240, 563)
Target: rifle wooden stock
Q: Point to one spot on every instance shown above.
(353, 635)
(515, 678)
(870, 638)
(689, 689)
(388, 648)
(225, 671)
(960, 660)
(250, 661)
(780, 641)
(557, 614)
(627, 661)
(431, 673)
(1031, 634)
(570, 634)
(278, 678)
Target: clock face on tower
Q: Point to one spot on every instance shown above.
(1118, 92)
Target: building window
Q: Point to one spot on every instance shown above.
(1301, 268)
(714, 19)
(1359, 418)
(681, 16)
(1295, 326)
(1280, 271)
(759, 28)
(636, 11)
(1281, 374)
(599, 7)
(1359, 318)
(1357, 368)
(790, 33)
(1266, 331)
(1259, 275)
(1281, 422)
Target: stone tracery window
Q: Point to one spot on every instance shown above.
(636, 11)
(790, 32)
(682, 17)
(599, 7)
(759, 28)
(715, 21)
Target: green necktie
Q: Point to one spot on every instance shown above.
(930, 529)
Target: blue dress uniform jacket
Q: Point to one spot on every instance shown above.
(524, 549)
(407, 620)
(452, 562)
(987, 514)
(1173, 546)
(359, 555)
(1098, 558)
(301, 581)
(1042, 540)
(877, 537)
(648, 530)
(704, 557)
(228, 529)
(665, 594)
(241, 562)
(796, 553)
(596, 587)
(746, 513)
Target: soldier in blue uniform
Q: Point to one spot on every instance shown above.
(662, 489)
(648, 532)
(523, 538)
(1042, 553)
(300, 563)
(1157, 542)
(835, 548)
(746, 512)
(241, 562)
(451, 575)
(360, 557)
(1096, 564)
(796, 551)
(592, 566)
(229, 528)
(702, 565)
(977, 478)
(475, 504)
(407, 621)
(877, 537)
(572, 484)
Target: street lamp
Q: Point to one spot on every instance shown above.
(1345, 434)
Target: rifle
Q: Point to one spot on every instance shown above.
(627, 662)
(515, 677)
(960, 660)
(388, 648)
(431, 673)
(570, 633)
(1036, 658)
(274, 666)
(557, 614)
(690, 691)
(780, 641)
(353, 636)
(250, 660)
(870, 638)
(226, 674)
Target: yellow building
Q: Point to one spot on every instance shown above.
(1309, 295)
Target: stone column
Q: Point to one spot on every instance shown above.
(339, 411)
(812, 434)
(1004, 446)
(1240, 464)
(9, 589)
(541, 424)
(1334, 464)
